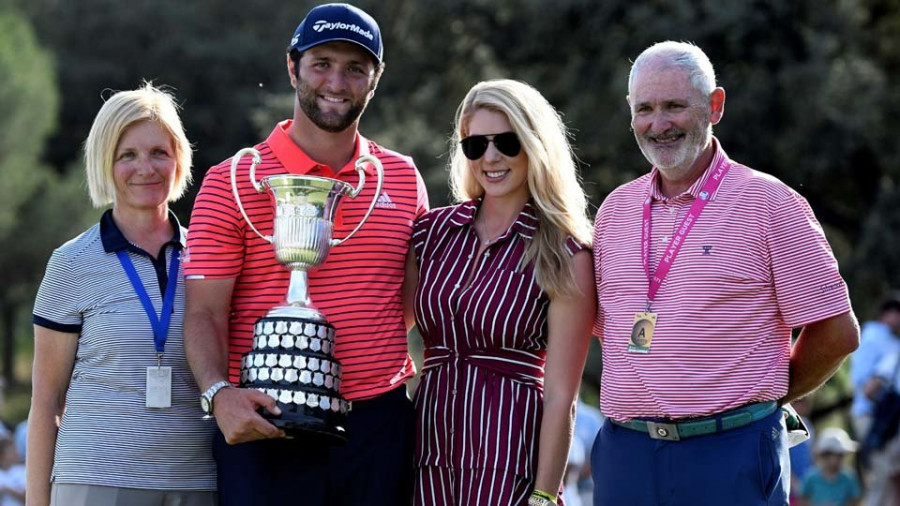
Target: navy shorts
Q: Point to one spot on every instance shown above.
(745, 466)
(374, 468)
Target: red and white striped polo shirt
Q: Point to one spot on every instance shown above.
(358, 286)
(755, 265)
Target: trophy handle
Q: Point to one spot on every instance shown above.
(360, 168)
(259, 188)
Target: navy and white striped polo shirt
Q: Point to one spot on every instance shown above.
(107, 435)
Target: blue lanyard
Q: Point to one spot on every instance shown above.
(161, 324)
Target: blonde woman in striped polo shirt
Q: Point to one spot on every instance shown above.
(504, 303)
(109, 358)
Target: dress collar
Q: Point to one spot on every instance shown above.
(525, 225)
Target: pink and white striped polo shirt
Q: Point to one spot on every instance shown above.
(755, 265)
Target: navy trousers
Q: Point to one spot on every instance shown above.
(374, 468)
(746, 466)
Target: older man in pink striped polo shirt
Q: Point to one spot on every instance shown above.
(703, 268)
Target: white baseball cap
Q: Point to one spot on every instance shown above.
(835, 440)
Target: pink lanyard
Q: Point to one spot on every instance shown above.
(668, 258)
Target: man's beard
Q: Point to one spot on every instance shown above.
(681, 161)
(330, 122)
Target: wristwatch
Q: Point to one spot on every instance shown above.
(206, 399)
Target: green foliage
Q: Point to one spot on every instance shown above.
(28, 100)
(876, 261)
(39, 208)
(15, 405)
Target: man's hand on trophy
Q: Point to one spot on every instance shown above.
(236, 413)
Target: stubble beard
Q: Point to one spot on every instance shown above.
(330, 122)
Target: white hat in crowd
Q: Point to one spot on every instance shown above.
(835, 440)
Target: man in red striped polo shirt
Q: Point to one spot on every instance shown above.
(703, 268)
(334, 62)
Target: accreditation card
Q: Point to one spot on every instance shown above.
(642, 333)
(159, 387)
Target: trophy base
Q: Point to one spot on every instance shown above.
(292, 361)
(299, 426)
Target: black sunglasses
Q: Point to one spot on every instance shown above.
(506, 143)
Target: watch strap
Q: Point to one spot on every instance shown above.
(211, 392)
(541, 498)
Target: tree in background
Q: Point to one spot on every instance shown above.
(38, 207)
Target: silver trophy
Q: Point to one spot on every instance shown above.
(292, 354)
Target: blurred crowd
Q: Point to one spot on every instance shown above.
(12, 464)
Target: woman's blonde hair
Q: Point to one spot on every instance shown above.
(122, 110)
(553, 181)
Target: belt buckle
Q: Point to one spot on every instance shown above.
(664, 431)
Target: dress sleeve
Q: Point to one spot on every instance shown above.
(420, 234)
(573, 246)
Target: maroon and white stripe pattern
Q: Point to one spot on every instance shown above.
(445, 486)
(755, 265)
(479, 402)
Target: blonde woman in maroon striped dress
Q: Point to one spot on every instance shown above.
(504, 302)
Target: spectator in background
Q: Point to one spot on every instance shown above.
(878, 338)
(884, 482)
(12, 475)
(588, 420)
(574, 468)
(802, 454)
(828, 483)
(21, 438)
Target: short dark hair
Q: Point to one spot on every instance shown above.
(5, 444)
(891, 304)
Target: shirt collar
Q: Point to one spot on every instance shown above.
(525, 225)
(113, 240)
(719, 156)
(296, 161)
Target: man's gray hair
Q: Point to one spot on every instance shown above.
(679, 54)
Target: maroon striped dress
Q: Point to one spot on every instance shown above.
(479, 401)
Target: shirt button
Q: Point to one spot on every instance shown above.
(671, 210)
(664, 239)
(470, 256)
(456, 285)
